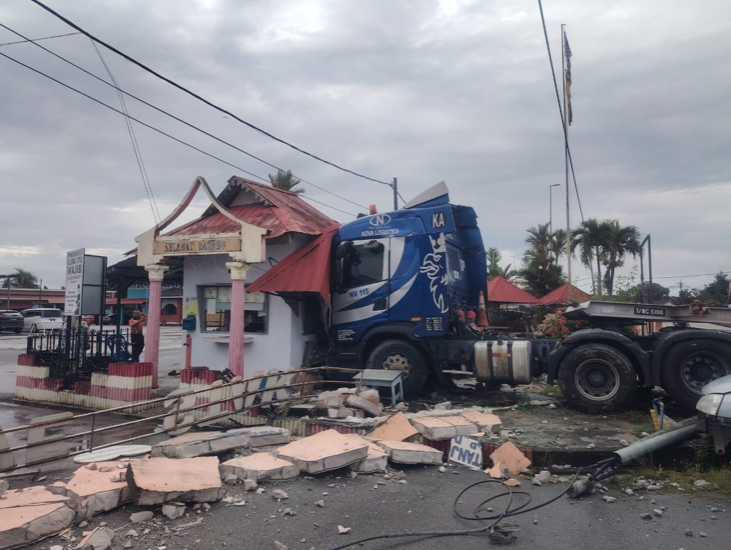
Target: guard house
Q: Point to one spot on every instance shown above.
(248, 228)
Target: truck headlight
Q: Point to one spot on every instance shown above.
(710, 404)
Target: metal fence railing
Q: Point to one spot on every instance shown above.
(307, 380)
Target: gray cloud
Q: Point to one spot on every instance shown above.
(453, 90)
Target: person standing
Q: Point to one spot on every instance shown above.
(137, 324)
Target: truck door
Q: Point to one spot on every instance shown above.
(362, 297)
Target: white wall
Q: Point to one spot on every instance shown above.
(283, 345)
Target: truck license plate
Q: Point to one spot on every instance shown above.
(652, 311)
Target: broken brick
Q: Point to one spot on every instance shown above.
(403, 452)
(160, 480)
(375, 461)
(32, 514)
(323, 451)
(396, 428)
(510, 458)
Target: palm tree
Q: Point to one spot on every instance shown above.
(539, 242)
(590, 238)
(557, 245)
(286, 181)
(21, 279)
(493, 266)
(620, 241)
(539, 279)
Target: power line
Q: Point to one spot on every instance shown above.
(34, 40)
(158, 109)
(560, 112)
(135, 146)
(155, 129)
(198, 97)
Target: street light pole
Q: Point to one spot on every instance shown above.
(550, 206)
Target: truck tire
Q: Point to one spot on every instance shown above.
(688, 366)
(403, 356)
(597, 378)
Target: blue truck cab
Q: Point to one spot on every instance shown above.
(398, 278)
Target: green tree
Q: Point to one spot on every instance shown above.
(589, 238)
(493, 266)
(539, 244)
(540, 271)
(21, 279)
(716, 293)
(619, 242)
(557, 245)
(286, 181)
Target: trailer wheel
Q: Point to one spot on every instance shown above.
(403, 356)
(597, 378)
(689, 366)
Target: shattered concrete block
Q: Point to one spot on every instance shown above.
(489, 423)
(91, 492)
(32, 514)
(259, 466)
(396, 428)
(345, 412)
(173, 510)
(160, 480)
(375, 461)
(99, 539)
(323, 451)
(402, 452)
(261, 436)
(140, 517)
(194, 444)
(364, 404)
(443, 428)
(509, 457)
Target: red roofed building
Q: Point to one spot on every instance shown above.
(502, 291)
(561, 295)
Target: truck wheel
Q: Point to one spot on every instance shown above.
(689, 366)
(403, 356)
(597, 378)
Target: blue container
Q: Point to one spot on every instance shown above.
(189, 322)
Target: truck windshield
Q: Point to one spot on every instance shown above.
(363, 264)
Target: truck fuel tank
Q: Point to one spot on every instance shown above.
(503, 361)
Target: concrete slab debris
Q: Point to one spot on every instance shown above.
(94, 491)
(194, 444)
(510, 458)
(112, 453)
(323, 451)
(364, 404)
(489, 423)
(403, 452)
(259, 466)
(160, 480)
(98, 539)
(396, 428)
(261, 436)
(32, 514)
(139, 517)
(173, 510)
(375, 461)
(443, 428)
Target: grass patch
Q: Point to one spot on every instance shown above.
(718, 475)
(641, 421)
(552, 391)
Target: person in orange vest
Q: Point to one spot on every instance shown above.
(136, 327)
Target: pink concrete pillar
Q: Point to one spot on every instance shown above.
(236, 330)
(154, 308)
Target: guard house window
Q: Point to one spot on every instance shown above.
(214, 304)
(363, 264)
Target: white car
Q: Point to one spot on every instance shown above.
(41, 318)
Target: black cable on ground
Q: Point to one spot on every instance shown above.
(493, 528)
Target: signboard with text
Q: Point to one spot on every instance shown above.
(74, 282)
(197, 245)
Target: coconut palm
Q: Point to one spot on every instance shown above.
(619, 242)
(539, 243)
(557, 245)
(539, 279)
(493, 266)
(286, 181)
(589, 238)
(22, 278)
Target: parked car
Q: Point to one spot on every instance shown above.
(41, 318)
(11, 320)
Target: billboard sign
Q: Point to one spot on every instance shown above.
(74, 282)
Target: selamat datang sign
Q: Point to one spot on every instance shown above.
(196, 245)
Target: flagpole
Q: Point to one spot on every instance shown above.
(566, 156)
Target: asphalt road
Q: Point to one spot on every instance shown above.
(425, 503)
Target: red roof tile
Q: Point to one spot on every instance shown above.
(561, 295)
(278, 211)
(502, 291)
(304, 270)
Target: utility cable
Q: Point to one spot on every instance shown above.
(34, 40)
(198, 97)
(560, 112)
(156, 129)
(135, 146)
(158, 109)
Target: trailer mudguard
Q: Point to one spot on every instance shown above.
(635, 353)
(667, 341)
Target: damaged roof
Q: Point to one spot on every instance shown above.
(276, 210)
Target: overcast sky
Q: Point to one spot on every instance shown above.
(454, 90)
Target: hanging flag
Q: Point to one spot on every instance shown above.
(567, 53)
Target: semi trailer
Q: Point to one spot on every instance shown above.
(400, 283)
